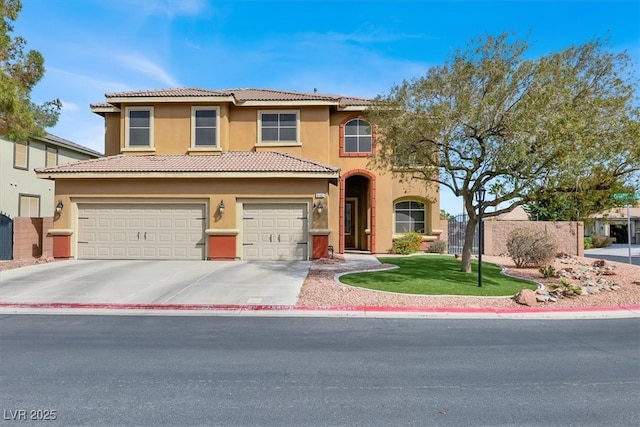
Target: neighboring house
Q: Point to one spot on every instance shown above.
(21, 192)
(247, 174)
(614, 223)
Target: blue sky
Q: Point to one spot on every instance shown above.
(359, 48)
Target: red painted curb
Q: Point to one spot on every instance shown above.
(264, 307)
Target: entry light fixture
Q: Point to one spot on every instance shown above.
(59, 207)
(221, 207)
(319, 207)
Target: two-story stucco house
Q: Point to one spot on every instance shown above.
(21, 192)
(248, 174)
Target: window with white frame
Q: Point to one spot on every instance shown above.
(357, 136)
(279, 126)
(409, 216)
(139, 123)
(204, 126)
(29, 206)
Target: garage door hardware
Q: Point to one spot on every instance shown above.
(145, 235)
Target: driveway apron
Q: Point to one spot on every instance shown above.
(155, 282)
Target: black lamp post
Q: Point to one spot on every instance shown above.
(480, 193)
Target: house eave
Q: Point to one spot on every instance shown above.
(170, 99)
(187, 175)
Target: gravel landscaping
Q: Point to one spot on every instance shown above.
(320, 289)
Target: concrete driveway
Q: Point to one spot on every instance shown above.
(155, 282)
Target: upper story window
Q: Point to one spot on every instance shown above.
(205, 128)
(139, 127)
(356, 138)
(279, 126)
(52, 157)
(409, 216)
(21, 155)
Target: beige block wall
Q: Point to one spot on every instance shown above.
(568, 236)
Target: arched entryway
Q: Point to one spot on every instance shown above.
(357, 211)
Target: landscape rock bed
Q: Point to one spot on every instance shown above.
(320, 289)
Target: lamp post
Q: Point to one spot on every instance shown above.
(480, 193)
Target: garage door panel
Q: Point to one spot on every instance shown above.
(273, 231)
(149, 231)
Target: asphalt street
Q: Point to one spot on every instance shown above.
(146, 370)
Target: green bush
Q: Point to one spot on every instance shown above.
(548, 271)
(528, 248)
(437, 247)
(600, 241)
(588, 242)
(407, 244)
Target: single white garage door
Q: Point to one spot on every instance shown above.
(141, 231)
(274, 231)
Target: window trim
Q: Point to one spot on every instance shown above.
(34, 196)
(15, 155)
(297, 142)
(397, 233)
(343, 152)
(193, 146)
(151, 145)
(54, 151)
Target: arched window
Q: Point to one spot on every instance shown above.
(357, 136)
(409, 216)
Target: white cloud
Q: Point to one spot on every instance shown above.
(69, 106)
(145, 66)
(172, 8)
(85, 83)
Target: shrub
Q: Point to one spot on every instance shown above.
(528, 248)
(588, 242)
(407, 244)
(600, 241)
(548, 271)
(437, 247)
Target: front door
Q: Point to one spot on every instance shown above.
(350, 223)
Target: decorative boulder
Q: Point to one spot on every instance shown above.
(526, 297)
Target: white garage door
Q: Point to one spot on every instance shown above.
(141, 231)
(274, 231)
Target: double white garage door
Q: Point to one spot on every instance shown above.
(141, 231)
(177, 231)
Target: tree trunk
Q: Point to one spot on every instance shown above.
(469, 234)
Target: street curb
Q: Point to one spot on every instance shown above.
(300, 309)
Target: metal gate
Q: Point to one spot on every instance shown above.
(6, 237)
(457, 227)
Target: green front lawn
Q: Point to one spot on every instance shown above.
(437, 275)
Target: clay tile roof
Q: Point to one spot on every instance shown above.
(241, 95)
(233, 161)
(176, 92)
